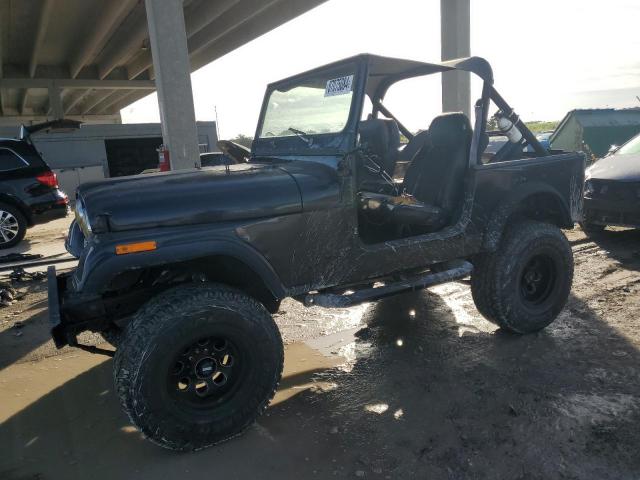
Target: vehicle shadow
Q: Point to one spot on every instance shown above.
(25, 332)
(622, 245)
(425, 395)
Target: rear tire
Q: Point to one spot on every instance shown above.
(524, 285)
(197, 365)
(13, 226)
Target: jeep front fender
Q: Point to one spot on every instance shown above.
(99, 263)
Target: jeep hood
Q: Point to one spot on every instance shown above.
(623, 168)
(188, 197)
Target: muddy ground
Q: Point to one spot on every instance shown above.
(416, 386)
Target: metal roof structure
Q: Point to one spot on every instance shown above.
(596, 129)
(88, 59)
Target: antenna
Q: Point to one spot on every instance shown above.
(215, 109)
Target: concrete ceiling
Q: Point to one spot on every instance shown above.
(95, 56)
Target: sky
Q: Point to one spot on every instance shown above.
(548, 57)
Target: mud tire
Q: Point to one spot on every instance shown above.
(158, 334)
(501, 280)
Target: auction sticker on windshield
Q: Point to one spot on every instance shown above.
(339, 86)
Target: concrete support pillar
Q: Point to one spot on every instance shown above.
(55, 102)
(173, 82)
(455, 26)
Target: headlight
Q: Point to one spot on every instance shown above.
(588, 188)
(82, 218)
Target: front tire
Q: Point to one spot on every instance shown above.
(524, 285)
(13, 226)
(197, 365)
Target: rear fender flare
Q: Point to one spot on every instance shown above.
(514, 203)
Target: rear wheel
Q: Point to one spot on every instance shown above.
(198, 365)
(13, 226)
(523, 286)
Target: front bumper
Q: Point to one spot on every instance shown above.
(71, 313)
(611, 212)
(55, 318)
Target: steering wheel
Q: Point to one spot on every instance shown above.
(369, 163)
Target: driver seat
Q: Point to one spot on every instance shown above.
(434, 183)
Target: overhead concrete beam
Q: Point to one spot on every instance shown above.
(96, 100)
(23, 101)
(168, 40)
(77, 83)
(111, 100)
(125, 102)
(55, 102)
(12, 120)
(111, 16)
(242, 24)
(125, 48)
(41, 32)
(196, 19)
(231, 20)
(455, 28)
(75, 98)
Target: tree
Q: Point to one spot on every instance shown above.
(244, 140)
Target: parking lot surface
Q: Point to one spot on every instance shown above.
(415, 386)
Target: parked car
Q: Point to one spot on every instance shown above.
(214, 159)
(183, 274)
(29, 193)
(612, 189)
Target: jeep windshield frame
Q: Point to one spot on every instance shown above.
(313, 88)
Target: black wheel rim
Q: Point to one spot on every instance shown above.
(537, 280)
(205, 373)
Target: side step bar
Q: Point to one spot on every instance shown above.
(456, 270)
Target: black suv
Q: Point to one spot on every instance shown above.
(29, 192)
(181, 270)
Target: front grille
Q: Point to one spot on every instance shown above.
(612, 190)
(610, 217)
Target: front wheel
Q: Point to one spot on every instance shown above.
(523, 286)
(197, 365)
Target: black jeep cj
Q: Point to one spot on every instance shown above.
(181, 270)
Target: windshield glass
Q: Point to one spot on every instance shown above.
(318, 104)
(632, 147)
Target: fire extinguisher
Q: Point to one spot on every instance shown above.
(164, 165)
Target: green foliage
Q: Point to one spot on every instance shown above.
(244, 140)
(538, 126)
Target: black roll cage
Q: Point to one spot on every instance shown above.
(475, 65)
(375, 75)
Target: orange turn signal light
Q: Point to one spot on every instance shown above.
(135, 247)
